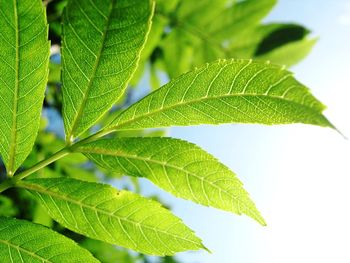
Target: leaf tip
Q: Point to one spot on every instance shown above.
(254, 213)
(339, 132)
(258, 217)
(206, 249)
(332, 126)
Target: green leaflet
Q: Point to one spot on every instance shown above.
(238, 18)
(284, 44)
(276, 35)
(177, 49)
(154, 36)
(7, 206)
(166, 6)
(291, 53)
(178, 167)
(102, 43)
(24, 57)
(118, 217)
(199, 13)
(265, 38)
(108, 253)
(230, 19)
(22, 241)
(196, 39)
(233, 91)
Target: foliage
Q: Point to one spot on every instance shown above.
(60, 181)
(22, 241)
(24, 76)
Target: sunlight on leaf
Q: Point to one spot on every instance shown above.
(23, 241)
(227, 91)
(24, 58)
(178, 167)
(101, 48)
(119, 217)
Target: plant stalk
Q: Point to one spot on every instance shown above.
(58, 155)
(11, 181)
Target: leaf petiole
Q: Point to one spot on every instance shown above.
(10, 182)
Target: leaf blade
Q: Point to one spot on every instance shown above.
(92, 80)
(117, 217)
(227, 91)
(291, 53)
(179, 167)
(22, 241)
(24, 59)
(238, 18)
(266, 38)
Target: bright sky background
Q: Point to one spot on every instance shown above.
(298, 175)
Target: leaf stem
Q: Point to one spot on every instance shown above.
(58, 155)
(92, 137)
(11, 181)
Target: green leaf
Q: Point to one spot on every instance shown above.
(199, 13)
(291, 53)
(233, 91)
(284, 44)
(108, 253)
(176, 48)
(7, 207)
(155, 34)
(265, 38)
(153, 40)
(179, 167)
(166, 6)
(276, 35)
(118, 217)
(207, 52)
(204, 41)
(102, 43)
(24, 58)
(22, 241)
(238, 18)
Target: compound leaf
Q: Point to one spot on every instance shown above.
(118, 217)
(23, 241)
(24, 58)
(178, 167)
(227, 91)
(195, 39)
(102, 42)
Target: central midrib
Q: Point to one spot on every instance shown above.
(24, 250)
(13, 143)
(118, 126)
(40, 189)
(123, 155)
(97, 62)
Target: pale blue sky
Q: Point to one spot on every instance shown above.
(298, 175)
